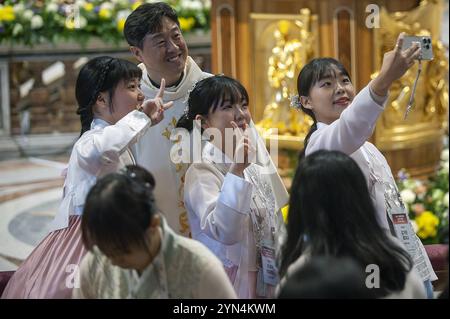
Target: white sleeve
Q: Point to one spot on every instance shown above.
(105, 146)
(355, 125)
(221, 208)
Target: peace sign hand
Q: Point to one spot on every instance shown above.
(154, 108)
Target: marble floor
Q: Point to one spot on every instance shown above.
(30, 191)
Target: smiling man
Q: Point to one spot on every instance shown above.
(155, 39)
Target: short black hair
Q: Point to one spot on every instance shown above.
(118, 211)
(147, 18)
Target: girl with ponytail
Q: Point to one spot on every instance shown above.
(344, 122)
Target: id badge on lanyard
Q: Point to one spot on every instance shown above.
(405, 233)
(269, 266)
(267, 277)
(402, 227)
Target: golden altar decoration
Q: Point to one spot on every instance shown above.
(288, 45)
(419, 137)
(250, 39)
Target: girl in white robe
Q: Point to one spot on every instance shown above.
(232, 206)
(344, 122)
(108, 94)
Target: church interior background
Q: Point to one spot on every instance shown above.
(264, 44)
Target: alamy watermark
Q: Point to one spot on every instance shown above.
(73, 277)
(373, 277)
(188, 146)
(373, 18)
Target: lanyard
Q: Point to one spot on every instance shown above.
(265, 195)
(399, 217)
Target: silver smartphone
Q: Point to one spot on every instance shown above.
(425, 44)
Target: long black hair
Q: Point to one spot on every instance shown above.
(118, 210)
(314, 71)
(208, 94)
(100, 74)
(331, 213)
(327, 277)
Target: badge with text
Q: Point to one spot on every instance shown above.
(270, 270)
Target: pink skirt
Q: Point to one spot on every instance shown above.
(51, 270)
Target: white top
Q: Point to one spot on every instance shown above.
(413, 288)
(349, 135)
(220, 205)
(183, 268)
(101, 150)
(153, 150)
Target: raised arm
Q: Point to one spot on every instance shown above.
(103, 147)
(357, 122)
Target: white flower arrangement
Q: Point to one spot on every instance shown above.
(52, 21)
(428, 202)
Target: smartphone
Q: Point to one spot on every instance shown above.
(425, 44)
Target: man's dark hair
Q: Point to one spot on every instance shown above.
(147, 18)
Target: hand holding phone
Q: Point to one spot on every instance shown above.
(426, 52)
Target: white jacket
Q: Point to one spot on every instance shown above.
(219, 205)
(101, 150)
(349, 135)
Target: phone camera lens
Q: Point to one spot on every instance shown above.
(424, 40)
(427, 46)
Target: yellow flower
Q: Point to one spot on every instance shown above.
(70, 24)
(121, 24)
(186, 24)
(284, 212)
(136, 5)
(104, 13)
(88, 6)
(427, 224)
(7, 13)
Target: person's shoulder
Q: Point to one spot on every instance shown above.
(413, 288)
(194, 251)
(92, 265)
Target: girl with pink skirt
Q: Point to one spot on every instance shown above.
(113, 116)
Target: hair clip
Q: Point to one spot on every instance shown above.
(295, 102)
